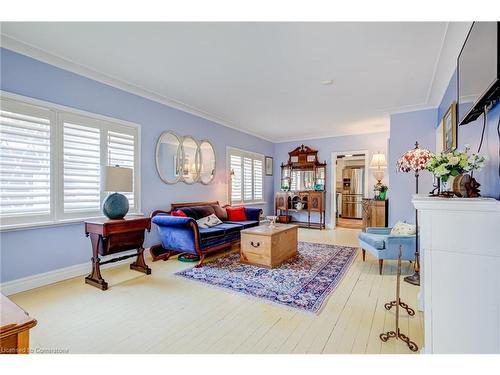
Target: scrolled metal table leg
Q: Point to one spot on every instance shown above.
(398, 303)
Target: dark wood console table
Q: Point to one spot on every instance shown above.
(114, 236)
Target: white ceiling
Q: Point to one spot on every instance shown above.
(263, 78)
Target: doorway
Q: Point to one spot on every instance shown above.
(349, 182)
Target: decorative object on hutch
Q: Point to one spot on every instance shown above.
(303, 180)
(378, 164)
(117, 179)
(184, 159)
(414, 160)
(375, 213)
(114, 236)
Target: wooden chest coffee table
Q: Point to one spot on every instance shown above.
(267, 246)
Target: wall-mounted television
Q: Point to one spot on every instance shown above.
(478, 71)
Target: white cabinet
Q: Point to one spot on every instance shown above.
(460, 281)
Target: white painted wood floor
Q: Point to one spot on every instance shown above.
(162, 313)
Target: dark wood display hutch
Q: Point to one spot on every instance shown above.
(303, 181)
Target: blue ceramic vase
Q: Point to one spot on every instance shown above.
(115, 206)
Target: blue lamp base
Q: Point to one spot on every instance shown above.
(115, 206)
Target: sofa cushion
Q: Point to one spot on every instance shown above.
(220, 212)
(246, 223)
(208, 221)
(231, 228)
(197, 212)
(178, 213)
(236, 213)
(209, 233)
(375, 240)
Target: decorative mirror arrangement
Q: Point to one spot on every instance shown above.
(184, 159)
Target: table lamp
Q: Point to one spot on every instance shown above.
(378, 164)
(117, 179)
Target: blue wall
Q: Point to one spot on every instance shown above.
(406, 128)
(471, 134)
(33, 251)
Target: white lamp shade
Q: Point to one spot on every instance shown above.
(378, 161)
(118, 179)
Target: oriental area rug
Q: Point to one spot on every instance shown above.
(303, 282)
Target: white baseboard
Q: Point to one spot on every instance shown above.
(51, 277)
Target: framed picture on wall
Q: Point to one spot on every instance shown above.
(449, 123)
(269, 165)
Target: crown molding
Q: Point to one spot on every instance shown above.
(437, 86)
(36, 53)
(299, 139)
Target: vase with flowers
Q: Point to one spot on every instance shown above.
(380, 191)
(448, 165)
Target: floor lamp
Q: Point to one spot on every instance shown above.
(414, 160)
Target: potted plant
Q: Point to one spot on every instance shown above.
(383, 192)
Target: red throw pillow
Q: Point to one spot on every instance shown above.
(178, 213)
(236, 213)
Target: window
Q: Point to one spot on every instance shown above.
(246, 170)
(51, 160)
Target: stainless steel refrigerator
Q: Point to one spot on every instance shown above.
(353, 193)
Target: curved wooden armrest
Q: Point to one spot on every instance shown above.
(156, 212)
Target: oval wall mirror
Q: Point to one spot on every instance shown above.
(208, 161)
(190, 163)
(168, 157)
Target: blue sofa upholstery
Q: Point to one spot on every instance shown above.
(382, 245)
(182, 234)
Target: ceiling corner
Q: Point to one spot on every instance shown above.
(453, 39)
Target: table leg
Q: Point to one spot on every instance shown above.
(139, 264)
(95, 278)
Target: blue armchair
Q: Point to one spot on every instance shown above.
(382, 245)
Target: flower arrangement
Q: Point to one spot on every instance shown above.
(380, 191)
(382, 188)
(452, 164)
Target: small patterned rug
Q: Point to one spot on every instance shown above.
(303, 282)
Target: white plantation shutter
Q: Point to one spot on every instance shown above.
(25, 178)
(81, 168)
(236, 180)
(51, 161)
(257, 179)
(247, 180)
(121, 151)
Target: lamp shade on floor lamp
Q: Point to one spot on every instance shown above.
(117, 179)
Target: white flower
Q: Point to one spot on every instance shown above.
(454, 160)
